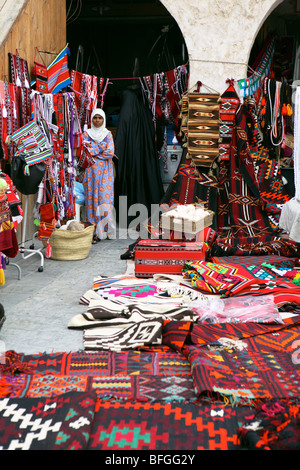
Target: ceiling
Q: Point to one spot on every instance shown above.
(116, 11)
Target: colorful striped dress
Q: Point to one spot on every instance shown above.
(98, 184)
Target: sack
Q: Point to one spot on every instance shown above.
(26, 183)
(86, 159)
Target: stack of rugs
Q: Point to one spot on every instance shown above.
(204, 360)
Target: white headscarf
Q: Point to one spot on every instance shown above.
(98, 133)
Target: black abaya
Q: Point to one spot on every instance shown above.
(136, 147)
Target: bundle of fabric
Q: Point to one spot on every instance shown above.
(237, 279)
(273, 426)
(245, 363)
(254, 247)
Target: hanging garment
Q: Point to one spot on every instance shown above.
(8, 238)
(138, 172)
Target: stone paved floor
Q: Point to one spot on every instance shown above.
(39, 305)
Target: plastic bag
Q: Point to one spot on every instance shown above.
(260, 309)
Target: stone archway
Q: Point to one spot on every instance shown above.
(219, 36)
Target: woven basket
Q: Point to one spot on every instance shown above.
(71, 245)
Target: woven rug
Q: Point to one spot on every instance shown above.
(160, 426)
(242, 363)
(60, 423)
(203, 128)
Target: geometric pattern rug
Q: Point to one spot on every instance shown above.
(159, 426)
(61, 423)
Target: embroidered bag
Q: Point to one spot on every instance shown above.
(86, 159)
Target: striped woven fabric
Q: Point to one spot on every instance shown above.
(31, 143)
(58, 72)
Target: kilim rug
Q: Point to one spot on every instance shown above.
(241, 363)
(203, 125)
(60, 423)
(160, 426)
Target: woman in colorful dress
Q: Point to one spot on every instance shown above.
(98, 180)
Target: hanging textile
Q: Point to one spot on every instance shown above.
(9, 118)
(13, 200)
(228, 107)
(58, 72)
(203, 128)
(19, 75)
(247, 214)
(8, 238)
(248, 86)
(297, 144)
(90, 92)
(55, 76)
(163, 92)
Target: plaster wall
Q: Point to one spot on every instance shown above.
(219, 35)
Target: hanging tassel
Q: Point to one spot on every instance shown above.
(48, 250)
(27, 170)
(4, 111)
(26, 84)
(263, 102)
(18, 82)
